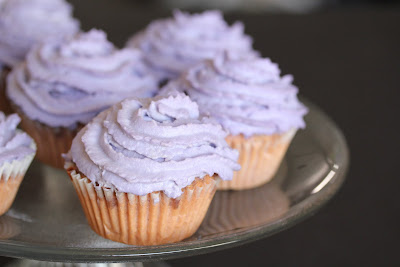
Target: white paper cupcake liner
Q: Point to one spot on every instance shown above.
(259, 158)
(11, 175)
(152, 219)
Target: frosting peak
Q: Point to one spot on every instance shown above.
(93, 43)
(24, 23)
(190, 25)
(141, 146)
(246, 95)
(14, 144)
(257, 71)
(65, 82)
(174, 44)
(165, 109)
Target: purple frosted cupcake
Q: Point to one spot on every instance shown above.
(172, 45)
(17, 150)
(146, 170)
(63, 84)
(257, 106)
(23, 24)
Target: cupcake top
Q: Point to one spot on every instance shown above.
(141, 146)
(23, 23)
(174, 44)
(246, 95)
(65, 82)
(14, 144)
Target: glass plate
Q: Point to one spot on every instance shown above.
(46, 221)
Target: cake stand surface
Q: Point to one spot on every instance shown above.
(46, 221)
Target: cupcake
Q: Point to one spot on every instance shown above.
(23, 24)
(257, 106)
(146, 170)
(174, 44)
(17, 150)
(63, 84)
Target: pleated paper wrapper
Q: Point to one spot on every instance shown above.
(259, 158)
(152, 219)
(11, 175)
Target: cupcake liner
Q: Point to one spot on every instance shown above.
(4, 102)
(51, 142)
(152, 219)
(11, 175)
(259, 157)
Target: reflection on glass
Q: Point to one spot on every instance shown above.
(237, 210)
(8, 227)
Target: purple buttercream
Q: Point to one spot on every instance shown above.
(141, 146)
(65, 82)
(246, 95)
(14, 144)
(174, 44)
(23, 23)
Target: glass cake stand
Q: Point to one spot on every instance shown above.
(46, 221)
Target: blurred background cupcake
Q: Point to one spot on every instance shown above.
(257, 106)
(172, 45)
(17, 150)
(63, 84)
(146, 170)
(22, 25)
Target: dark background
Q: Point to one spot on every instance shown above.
(345, 56)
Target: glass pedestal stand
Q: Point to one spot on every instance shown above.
(46, 221)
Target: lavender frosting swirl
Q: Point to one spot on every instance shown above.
(174, 44)
(141, 146)
(23, 23)
(246, 95)
(14, 144)
(66, 82)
